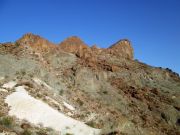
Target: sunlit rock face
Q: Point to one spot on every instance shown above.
(73, 44)
(36, 42)
(123, 48)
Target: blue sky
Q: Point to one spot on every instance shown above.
(153, 26)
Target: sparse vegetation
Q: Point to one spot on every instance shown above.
(31, 75)
(67, 127)
(17, 44)
(69, 134)
(6, 77)
(27, 132)
(61, 92)
(23, 72)
(39, 95)
(105, 92)
(41, 132)
(80, 102)
(6, 121)
(1, 114)
(91, 124)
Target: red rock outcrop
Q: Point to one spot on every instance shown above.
(122, 48)
(95, 57)
(73, 45)
(36, 42)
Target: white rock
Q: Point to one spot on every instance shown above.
(1, 78)
(9, 85)
(3, 90)
(91, 117)
(52, 100)
(24, 106)
(70, 107)
(70, 114)
(40, 82)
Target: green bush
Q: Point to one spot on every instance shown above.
(91, 124)
(26, 132)
(69, 134)
(23, 72)
(105, 92)
(6, 121)
(61, 92)
(41, 132)
(80, 102)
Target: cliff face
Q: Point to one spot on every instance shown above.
(73, 44)
(36, 42)
(104, 91)
(121, 49)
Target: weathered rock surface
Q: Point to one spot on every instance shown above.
(73, 45)
(123, 48)
(36, 42)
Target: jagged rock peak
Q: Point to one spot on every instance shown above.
(121, 42)
(36, 42)
(73, 40)
(73, 44)
(124, 48)
(29, 37)
(94, 47)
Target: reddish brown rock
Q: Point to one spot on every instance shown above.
(114, 68)
(122, 48)
(36, 42)
(73, 45)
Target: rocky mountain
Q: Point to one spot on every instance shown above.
(35, 42)
(73, 89)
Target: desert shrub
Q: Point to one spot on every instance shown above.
(105, 92)
(69, 134)
(80, 102)
(41, 132)
(39, 95)
(31, 75)
(6, 77)
(27, 132)
(29, 84)
(42, 85)
(17, 44)
(136, 60)
(61, 92)
(1, 114)
(23, 72)
(91, 124)
(6, 121)
(49, 129)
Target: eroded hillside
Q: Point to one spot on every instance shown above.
(88, 90)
